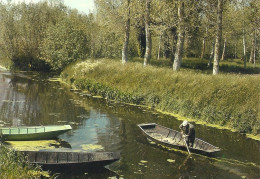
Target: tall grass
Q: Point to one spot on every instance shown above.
(227, 99)
(14, 165)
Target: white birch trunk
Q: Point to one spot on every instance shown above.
(224, 49)
(211, 54)
(159, 48)
(218, 37)
(127, 34)
(180, 41)
(204, 44)
(148, 50)
(244, 47)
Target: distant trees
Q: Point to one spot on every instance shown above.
(43, 35)
(50, 35)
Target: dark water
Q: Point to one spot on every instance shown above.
(31, 99)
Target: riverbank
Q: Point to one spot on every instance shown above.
(227, 101)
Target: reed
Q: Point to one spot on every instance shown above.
(229, 100)
(14, 165)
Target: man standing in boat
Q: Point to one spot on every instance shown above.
(188, 132)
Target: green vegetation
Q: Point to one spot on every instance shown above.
(14, 165)
(227, 100)
(48, 36)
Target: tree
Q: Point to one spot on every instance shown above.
(218, 37)
(127, 32)
(181, 33)
(64, 43)
(148, 49)
(254, 18)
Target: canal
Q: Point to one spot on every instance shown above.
(101, 125)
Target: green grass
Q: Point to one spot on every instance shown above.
(229, 100)
(14, 165)
(235, 66)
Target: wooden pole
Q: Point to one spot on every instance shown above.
(186, 145)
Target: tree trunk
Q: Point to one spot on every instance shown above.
(218, 37)
(252, 54)
(204, 44)
(224, 49)
(244, 46)
(235, 55)
(127, 34)
(148, 50)
(180, 41)
(211, 54)
(174, 36)
(159, 48)
(203, 48)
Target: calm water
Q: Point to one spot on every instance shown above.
(32, 99)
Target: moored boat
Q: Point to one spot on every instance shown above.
(64, 160)
(172, 138)
(32, 132)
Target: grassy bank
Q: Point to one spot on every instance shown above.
(13, 165)
(226, 100)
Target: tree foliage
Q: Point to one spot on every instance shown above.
(64, 42)
(49, 34)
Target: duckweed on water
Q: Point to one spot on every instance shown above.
(91, 147)
(33, 145)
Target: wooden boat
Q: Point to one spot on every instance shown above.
(71, 160)
(32, 132)
(172, 138)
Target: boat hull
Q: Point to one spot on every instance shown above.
(71, 160)
(33, 133)
(171, 138)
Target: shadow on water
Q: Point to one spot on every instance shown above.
(100, 125)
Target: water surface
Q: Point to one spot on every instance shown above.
(100, 125)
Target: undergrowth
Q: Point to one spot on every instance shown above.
(226, 100)
(14, 165)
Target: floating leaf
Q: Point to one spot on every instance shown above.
(170, 160)
(143, 161)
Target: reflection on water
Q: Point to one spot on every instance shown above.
(100, 125)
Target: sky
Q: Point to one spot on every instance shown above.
(84, 6)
